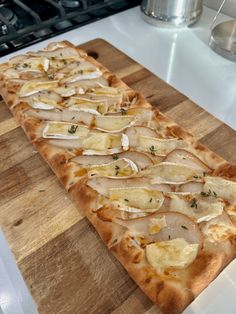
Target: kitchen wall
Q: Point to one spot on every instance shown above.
(229, 7)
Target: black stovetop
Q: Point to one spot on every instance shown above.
(25, 22)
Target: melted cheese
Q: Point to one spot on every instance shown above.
(65, 53)
(197, 207)
(113, 123)
(42, 102)
(120, 168)
(55, 45)
(102, 141)
(109, 151)
(85, 104)
(156, 224)
(42, 105)
(142, 114)
(65, 91)
(34, 87)
(83, 76)
(140, 198)
(157, 146)
(172, 173)
(37, 64)
(64, 130)
(106, 91)
(223, 188)
(173, 254)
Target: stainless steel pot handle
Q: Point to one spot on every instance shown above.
(217, 13)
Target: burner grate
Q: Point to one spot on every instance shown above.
(35, 21)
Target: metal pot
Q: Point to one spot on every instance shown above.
(171, 12)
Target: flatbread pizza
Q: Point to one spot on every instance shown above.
(164, 204)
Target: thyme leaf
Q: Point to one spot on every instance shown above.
(209, 193)
(193, 203)
(152, 150)
(72, 129)
(117, 168)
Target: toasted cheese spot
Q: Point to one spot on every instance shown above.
(138, 257)
(157, 146)
(137, 197)
(120, 168)
(217, 232)
(231, 210)
(173, 254)
(156, 224)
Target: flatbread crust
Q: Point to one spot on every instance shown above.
(171, 293)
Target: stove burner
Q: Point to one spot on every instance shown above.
(26, 22)
(11, 18)
(70, 4)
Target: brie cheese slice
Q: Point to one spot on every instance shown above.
(34, 87)
(113, 123)
(83, 76)
(120, 168)
(140, 198)
(225, 189)
(97, 106)
(103, 143)
(64, 130)
(37, 64)
(157, 146)
(198, 207)
(171, 173)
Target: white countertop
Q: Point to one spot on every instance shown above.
(180, 57)
(183, 59)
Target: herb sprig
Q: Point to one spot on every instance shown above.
(72, 129)
(152, 150)
(117, 168)
(193, 203)
(209, 193)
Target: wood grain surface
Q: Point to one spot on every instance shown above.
(63, 261)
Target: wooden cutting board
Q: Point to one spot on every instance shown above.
(63, 261)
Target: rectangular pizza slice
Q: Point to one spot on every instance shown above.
(164, 204)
